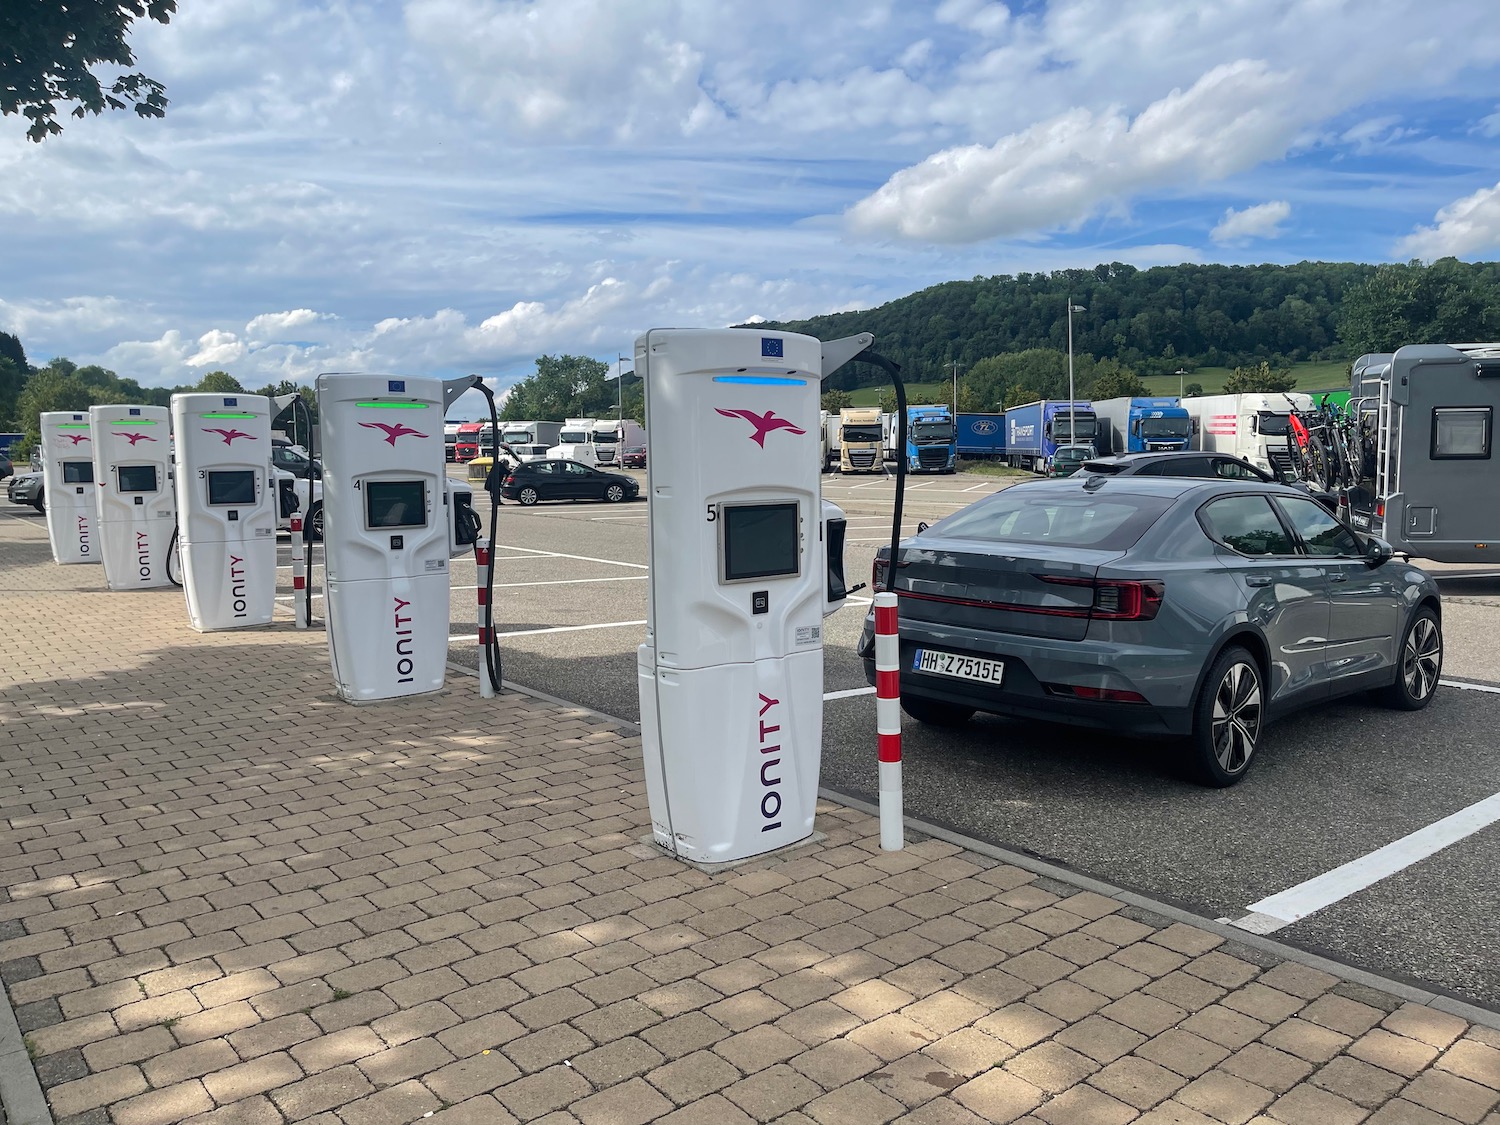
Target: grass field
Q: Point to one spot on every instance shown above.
(1332, 376)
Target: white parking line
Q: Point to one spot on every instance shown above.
(603, 519)
(561, 582)
(1470, 687)
(559, 555)
(1284, 908)
(553, 629)
(850, 694)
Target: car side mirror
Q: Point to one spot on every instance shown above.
(1377, 552)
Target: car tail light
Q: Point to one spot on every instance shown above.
(1118, 599)
(1380, 510)
(1097, 694)
(510, 480)
(877, 575)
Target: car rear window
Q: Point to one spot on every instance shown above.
(1104, 468)
(1089, 520)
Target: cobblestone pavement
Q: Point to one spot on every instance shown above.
(230, 898)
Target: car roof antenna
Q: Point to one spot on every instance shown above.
(1095, 482)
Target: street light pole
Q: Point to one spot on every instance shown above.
(1180, 373)
(620, 389)
(954, 364)
(1072, 424)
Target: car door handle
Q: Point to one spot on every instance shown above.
(1337, 576)
(1259, 580)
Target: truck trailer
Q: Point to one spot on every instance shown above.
(1251, 426)
(1142, 425)
(981, 436)
(1035, 430)
(861, 441)
(1427, 413)
(930, 444)
(530, 433)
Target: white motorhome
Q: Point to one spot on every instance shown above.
(576, 442)
(1428, 415)
(530, 433)
(612, 436)
(1252, 426)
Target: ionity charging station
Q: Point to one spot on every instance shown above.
(137, 512)
(392, 519)
(68, 484)
(746, 560)
(227, 508)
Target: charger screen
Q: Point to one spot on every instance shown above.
(231, 487)
(78, 472)
(760, 541)
(137, 478)
(395, 503)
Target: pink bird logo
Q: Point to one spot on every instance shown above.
(227, 435)
(76, 438)
(134, 438)
(763, 423)
(399, 430)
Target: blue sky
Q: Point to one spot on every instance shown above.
(449, 186)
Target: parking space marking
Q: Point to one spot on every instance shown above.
(850, 694)
(559, 555)
(561, 582)
(1285, 907)
(553, 629)
(603, 519)
(1491, 689)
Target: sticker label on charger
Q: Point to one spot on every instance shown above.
(437, 564)
(809, 635)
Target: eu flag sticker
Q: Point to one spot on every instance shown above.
(770, 347)
(395, 386)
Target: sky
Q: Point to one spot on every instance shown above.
(458, 186)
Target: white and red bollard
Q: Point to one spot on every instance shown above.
(299, 574)
(888, 719)
(482, 562)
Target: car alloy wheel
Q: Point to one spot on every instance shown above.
(1227, 719)
(528, 496)
(615, 493)
(1421, 664)
(315, 523)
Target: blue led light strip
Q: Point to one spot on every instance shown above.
(760, 380)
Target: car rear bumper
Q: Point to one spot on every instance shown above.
(1166, 678)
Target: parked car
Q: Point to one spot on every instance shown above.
(1195, 608)
(1065, 461)
(634, 457)
(1192, 463)
(531, 481)
(27, 488)
(6, 468)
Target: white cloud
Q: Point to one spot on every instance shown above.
(974, 15)
(1465, 227)
(1061, 171)
(1489, 126)
(272, 326)
(1376, 133)
(1261, 221)
(216, 347)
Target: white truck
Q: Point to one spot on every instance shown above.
(530, 433)
(1251, 426)
(611, 437)
(576, 442)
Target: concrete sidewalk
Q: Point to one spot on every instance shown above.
(230, 898)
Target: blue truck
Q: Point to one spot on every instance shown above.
(981, 436)
(930, 445)
(1142, 425)
(1035, 431)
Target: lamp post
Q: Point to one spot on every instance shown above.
(954, 364)
(1181, 373)
(1072, 426)
(620, 391)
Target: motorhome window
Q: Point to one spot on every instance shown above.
(932, 431)
(137, 478)
(1267, 422)
(395, 503)
(761, 541)
(574, 437)
(862, 433)
(1461, 433)
(228, 487)
(1164, 427)
(78, 472)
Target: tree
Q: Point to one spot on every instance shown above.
(835, 400)
(1192, 390)
(1020, 395)
(563, 386)
(1445, 302)
(220, 383)
(54, 387)
(1258, 379)
(49, 46)
(1118, 384)
(12, 382)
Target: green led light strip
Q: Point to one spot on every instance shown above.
(227, 415)
(394, 405)
(73, 425)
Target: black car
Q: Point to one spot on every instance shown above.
(1193, 463)
(531, 481)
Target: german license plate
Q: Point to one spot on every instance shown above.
(937, 663)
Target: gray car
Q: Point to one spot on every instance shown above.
(1156, 606)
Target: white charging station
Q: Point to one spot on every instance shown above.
(389, 513)
(133, 477)
(731, 674)
(68, 485)
(226, 509)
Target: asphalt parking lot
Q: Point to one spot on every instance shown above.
(1332, 786)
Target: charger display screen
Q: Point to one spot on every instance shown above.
(137, 478)
(761, 541)
(231, 487)
(395, 503)
(78, 472)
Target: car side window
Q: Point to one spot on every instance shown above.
(1323, 535)
(1185, 467)
(1152, 470)
(1233, 470)
(579, 470)
(1248, 525)
(546, 467)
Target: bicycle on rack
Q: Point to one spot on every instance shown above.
(1330, 448)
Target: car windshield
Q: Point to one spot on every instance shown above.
(1270, 423)
(1072, 455)
(1061, 519)
(1165, 427)
(932, 431)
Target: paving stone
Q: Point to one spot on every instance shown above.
(1348, 1017)
(1052, 1067)
(547, 1047)
(859, 1104)
(1417, 1021)
(617, 1061)
(1084, 1105)
(1476, 1061)
(101, 1089)
(1020, 1025)
(759, 1048)
(1265, 1066)
(250, 1078)
(693, 1077)
(891, 1037)
(1225, 1097)
(1146, 1014)
(1101, 1039)
(1447, 1093)
(714, 1108)
(1306, 1040)
(818, 1022)
(396, 1105)
(630, 1103)
(1138, 1082)
(398, 1064)
(998, 1097)
(466, 1079)
(773, 1093)
(1188, 1054)
(1402, 1112)
(1393, 1052)
(836, 1063)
